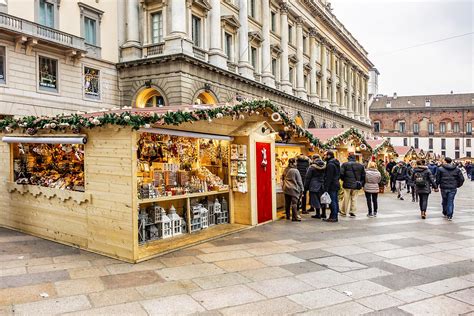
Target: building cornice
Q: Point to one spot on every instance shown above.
(425, 109)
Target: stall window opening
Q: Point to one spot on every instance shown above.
(48, 73)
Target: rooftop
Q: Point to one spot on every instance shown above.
(419, 101)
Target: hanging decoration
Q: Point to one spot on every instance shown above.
(343, 138)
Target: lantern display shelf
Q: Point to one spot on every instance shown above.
(182, 196)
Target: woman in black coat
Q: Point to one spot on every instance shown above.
(314, 183)
(424, 181)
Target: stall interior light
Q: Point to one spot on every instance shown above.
(165, 131)
(45, 140)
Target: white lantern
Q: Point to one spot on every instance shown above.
(196, 218)
(225, 211)
(218, 211)
(164, 225)
(210, 208)
(176, 222)
(204, 217)
(155, 232)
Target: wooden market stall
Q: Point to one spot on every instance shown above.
(133, 184)
(343, 141)
(382, 150)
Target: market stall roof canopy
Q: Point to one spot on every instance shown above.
(402, 150)
(324, 134)
(329, 136)
(45, 140)
(374, 143)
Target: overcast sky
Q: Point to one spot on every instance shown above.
(386, 27)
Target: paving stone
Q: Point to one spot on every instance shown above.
(447, 271)
(393, 311)
(226, 255)
(409, 295)
(311, 245)
(131, 279)
(379, 246)
(344, 309)
(279, 259)
(446, 246)
(468, 253)
(32, 278)
(280, 287)
(58, 305)
(172, 262)
(319, 298)
(266, 273)
(346, 250)
(365, 257)
(271, 250)
(402, 280)
(469, 277)
(220, 280)
(189, 272)
(12, 271)
(440, 305)
(311, 254)
(466, 296)
(339, 264)
(323, 279)
(361, 289)
(25, 294)
(172, 305)
(79, 286)
(379, 302)
(26, 262)
(237, 265)
(277, 306)
(168, 288)
(128, 309)
(289, 241)
(80, 273)
(227, 296)
(303, 267)
(416, 262)
(395, 253)
(366, 274)
(120, 268)
(446, 257)
(445, 286)
(387, 267)
(113, 297)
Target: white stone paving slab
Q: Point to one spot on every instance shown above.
(379, 246)
(266, 273)
(170, 305)
(280, 287)
(226, 255)
(440, 305)
(279, 259)
(220, 280)
(366, 274)
(416, 262)
(395, 253)
(445, 286)
(325, 278)
(319, 298)
(410, 295)
(346, 250)
(379, 302)
(227, 296)
(277, 306)
(189, 272)
(361, 289)
(339, 264)
(58, 305)
(466, 296)
(344, 309)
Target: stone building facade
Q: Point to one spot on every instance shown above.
(435, 123)
(162, 52)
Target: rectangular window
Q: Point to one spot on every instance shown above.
(456, 143)
(228, 45)
(290, 34)
(443, 153)
(456, 155)
(90, 31)
(376, 127)
(48, 73)
(3, 76)
(456, 127)
(401, 127)
(468, 143)
(442, 127)
(405, 142)
(430, 143)
(46, 13)
(92, 83)
(253, 58)
(417, 143)
(274, 67)
(157, 28)
(443, 143)
(431, 128)
(196, 30)
(416, 128)
(252, 8)
(305, 44)
(468, 154)
(469, 128)
(273, 21)
(291, 77)
(305, 80)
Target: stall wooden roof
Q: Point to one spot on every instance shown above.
(323, 134)
(375, 142)
(402, 150)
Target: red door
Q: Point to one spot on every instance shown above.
(264, 182)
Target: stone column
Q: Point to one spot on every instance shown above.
(245, 69)
(267, 76)
(350, 106)
(216, 55)
(342, 106)
(285, 67)
(324, 78)
(334, 105)
(132, 48)
(178, 40)
(300, 88)
(313, 93)
(366, 96)
(357, 94)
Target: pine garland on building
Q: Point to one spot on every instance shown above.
(351, 132)
(384, 145)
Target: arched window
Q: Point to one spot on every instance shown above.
(205, 98)
(312, 124)
(149, 98)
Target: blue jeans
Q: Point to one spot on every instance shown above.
(334, 204)
(448, 201)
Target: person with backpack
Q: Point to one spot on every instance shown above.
(433, 167)
(410, 183)
(331, 184)
(371, 188)
(353, 177)
(314, 183)
(292, 188)
(389, 169)
(424, 181)
(449, 178)
(400, 174)
(302, 164)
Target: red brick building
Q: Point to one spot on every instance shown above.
(435, 123)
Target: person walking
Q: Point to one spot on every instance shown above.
(389, 169)
(314, 184)
(433, 167)
(292, 188)
(424, 181)
(468, 168)
(410, 183)
(400, 175)
(331, 184)
(449, 178)
(352, 176)
(371, 188)
(302, 164)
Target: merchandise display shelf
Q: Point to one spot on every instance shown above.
(181, 197)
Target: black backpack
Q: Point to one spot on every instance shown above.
(420, 180)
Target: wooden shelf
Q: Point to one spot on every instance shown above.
(182, 197)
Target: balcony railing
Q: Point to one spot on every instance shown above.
(35, 30)
(199, 53)
(153, 49)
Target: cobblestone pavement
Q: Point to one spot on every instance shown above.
(395, 264)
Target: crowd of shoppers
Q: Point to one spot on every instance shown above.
(333, 186)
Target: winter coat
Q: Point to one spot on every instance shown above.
(333, 174)
(429, 179)
(400, 172)
(410, 172)
(468, 169)
(302, 164)
(390, 166)
(372, 180)
(351, 172)
(292, 184)
(314, 179)
(449, 177)
(433, 168)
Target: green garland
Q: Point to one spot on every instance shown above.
(78, 122)
(384, 144)
(336, 140)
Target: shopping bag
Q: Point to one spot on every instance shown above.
(325, 198)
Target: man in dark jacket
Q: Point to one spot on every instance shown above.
(389, 169)
(353, 177)
(302, 164)
(449, 178)
(433, 168)
(400, 175)
(331, 184)
(424, 181)
(314, 183)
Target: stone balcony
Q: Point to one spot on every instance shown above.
(30, 34)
